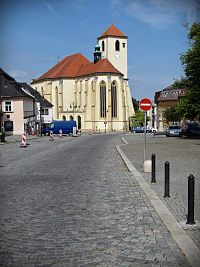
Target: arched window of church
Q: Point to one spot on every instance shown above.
(42, 91)
(102, 99)
(114, 99)
(103, 46)
(117, 45)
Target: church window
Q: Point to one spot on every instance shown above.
(103, 46)
(114, 99)
(124, 45)
(117, 45)
(102, 99)
(42, 91)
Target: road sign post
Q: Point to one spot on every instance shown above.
(145, 104)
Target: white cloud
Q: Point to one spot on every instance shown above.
(159, 13)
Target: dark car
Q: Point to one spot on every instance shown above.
(137, 129)
(191, 129)
(174, 130)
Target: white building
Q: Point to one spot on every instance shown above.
(95, 94)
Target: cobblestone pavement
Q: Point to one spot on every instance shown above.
(74, 203)
(184, 156)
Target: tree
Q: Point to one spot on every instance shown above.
(135, 104)
(138, 118)
(172, 115)
(189, 105)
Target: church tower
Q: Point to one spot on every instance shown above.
(113, 45)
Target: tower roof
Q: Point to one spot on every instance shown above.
(113, 32)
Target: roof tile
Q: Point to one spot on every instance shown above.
(76, 66)
(67, 68)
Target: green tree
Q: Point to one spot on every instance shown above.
(189, 105)
(172, 115)
(138, 118)
(135, 104)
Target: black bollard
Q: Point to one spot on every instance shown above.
(166, 193)
(190, 216)
(153, 168)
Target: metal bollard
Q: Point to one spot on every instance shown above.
(153, 168)
(190, 216)
(166, 193)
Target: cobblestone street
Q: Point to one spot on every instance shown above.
(74, 203)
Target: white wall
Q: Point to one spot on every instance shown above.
(117, 58)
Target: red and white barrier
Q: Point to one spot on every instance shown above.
(60, 134)
(51, 135)
(23, 144)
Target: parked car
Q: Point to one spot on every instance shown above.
(191, 129)
(140, 129)
(137, 129)
(153, 130)
(174, 130)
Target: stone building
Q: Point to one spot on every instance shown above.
(95, 94)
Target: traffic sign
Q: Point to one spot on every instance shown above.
(145, 104)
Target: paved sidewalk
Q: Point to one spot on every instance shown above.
(183, 155)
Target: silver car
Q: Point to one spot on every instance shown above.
(174, 130)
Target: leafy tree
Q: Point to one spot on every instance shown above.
(189, 105)
(172, 115)
(138, 118)
(135, 104)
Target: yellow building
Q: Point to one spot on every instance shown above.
(95, 94)
(164, 100)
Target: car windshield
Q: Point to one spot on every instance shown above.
(174, 127)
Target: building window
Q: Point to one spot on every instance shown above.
(103, 46)
(8, 106)
(124, 45)
(117, 46)
(114, 99)
(44, 111)
(102, 99)
(42, 92)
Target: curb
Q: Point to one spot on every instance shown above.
(183, 240)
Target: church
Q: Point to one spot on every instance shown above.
(95, 94)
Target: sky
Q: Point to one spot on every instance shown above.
(36, 34)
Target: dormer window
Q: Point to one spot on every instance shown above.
(117, 45)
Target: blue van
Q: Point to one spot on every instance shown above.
(55, 126)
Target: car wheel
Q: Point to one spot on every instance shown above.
(167, 135)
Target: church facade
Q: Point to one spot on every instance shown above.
(95, 94)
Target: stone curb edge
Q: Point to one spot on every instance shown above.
(183, 240)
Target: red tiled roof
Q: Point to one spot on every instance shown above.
(112, 31)
(67, 68)
(76, 66)
(101, 66)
